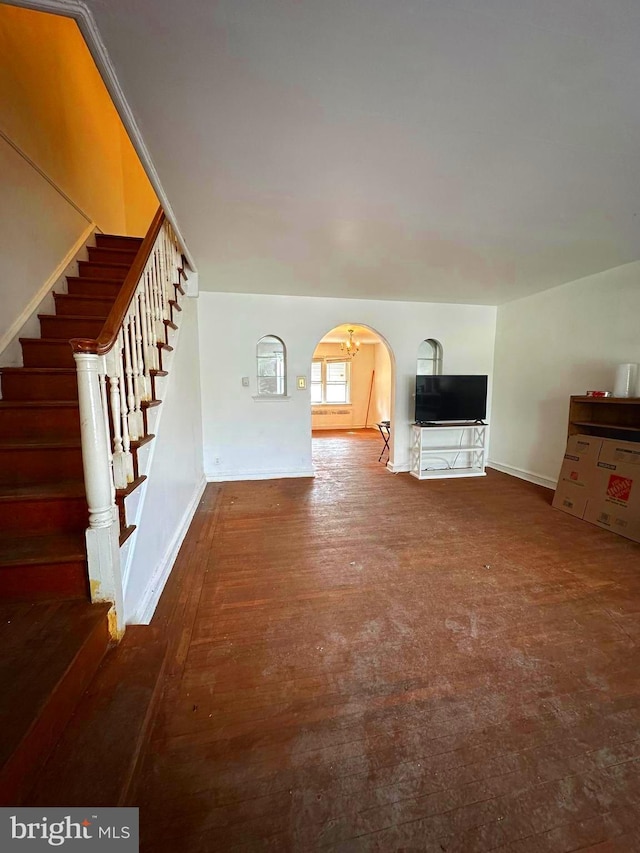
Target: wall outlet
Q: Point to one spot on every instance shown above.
(245, 381)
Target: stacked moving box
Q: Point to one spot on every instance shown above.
(600, 482)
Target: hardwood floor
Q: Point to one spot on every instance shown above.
(366, 662)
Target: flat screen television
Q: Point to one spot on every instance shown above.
(451, 398)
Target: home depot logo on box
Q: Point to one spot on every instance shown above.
(619, 488)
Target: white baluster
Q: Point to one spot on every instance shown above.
(135, 374)
(119, 466)
(126, 441)
(159, 325)
(128, 372)
(143, 377)
(153, 354)
(102, 536)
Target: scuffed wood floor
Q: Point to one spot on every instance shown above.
(367, 662)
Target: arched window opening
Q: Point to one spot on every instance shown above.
(271, 366)
(429, 358)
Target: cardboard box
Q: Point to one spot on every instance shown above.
(577, 483)
(616, 503)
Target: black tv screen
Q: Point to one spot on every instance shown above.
(451, 398)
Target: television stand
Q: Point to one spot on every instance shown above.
(440, 451)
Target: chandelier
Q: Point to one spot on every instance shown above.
(351, 347)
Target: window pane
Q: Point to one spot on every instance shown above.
(336, 394)
(316, 371)
(268, 385)
(267, 366)
(336, 371)
(270, 366)
(316, 392)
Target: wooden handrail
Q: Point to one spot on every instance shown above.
(109, 334)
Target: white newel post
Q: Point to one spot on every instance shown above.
(103, 546)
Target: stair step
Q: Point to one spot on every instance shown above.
(45, 461)
(46, 352)
(125, 533)
(115, 241)
(82, 304)
(47, 566)
(179, 289)
(38, 508)
(69, 327)
(111, 255)
(121, 494)
(35, 419)
(162, 348)
(39, 383)
(106, 287)
(174, 305)
(50, 653)
(95, 760)
(102, 270)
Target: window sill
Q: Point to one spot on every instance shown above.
(330, 405)
(276, 398)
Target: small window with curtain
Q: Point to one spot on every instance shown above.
(271, 367)
(429, 358)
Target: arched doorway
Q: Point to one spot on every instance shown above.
(352, 383)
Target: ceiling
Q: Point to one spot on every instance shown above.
(433, 150)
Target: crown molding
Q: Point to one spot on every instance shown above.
(85, 20)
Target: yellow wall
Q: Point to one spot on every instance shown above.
(58, 113)
(338, 415)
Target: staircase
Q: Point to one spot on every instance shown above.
(52, 637)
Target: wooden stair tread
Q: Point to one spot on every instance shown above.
(32, 550)
(27, 443)
(126, 533)
(108, 264)
(34, 371)
(50, 650)
(85, 279)
(123, 237)
(42, 491)
(93, 317)
(95, 759)
(140, 442)
(122, 493)
(39, 404)
(84, 296)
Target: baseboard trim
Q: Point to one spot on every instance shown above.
(257, 475)
(36, 299)
(401, 468)
(523, 474)
(85, 20)
(145, 610)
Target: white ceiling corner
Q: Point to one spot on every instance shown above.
(453, 150)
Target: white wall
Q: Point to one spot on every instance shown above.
(30, 248)
(245, 438)
(175, 477)
(549, 346)
(382, 386)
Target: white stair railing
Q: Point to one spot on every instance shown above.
(114, 382)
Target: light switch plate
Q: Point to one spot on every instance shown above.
(302, 383)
